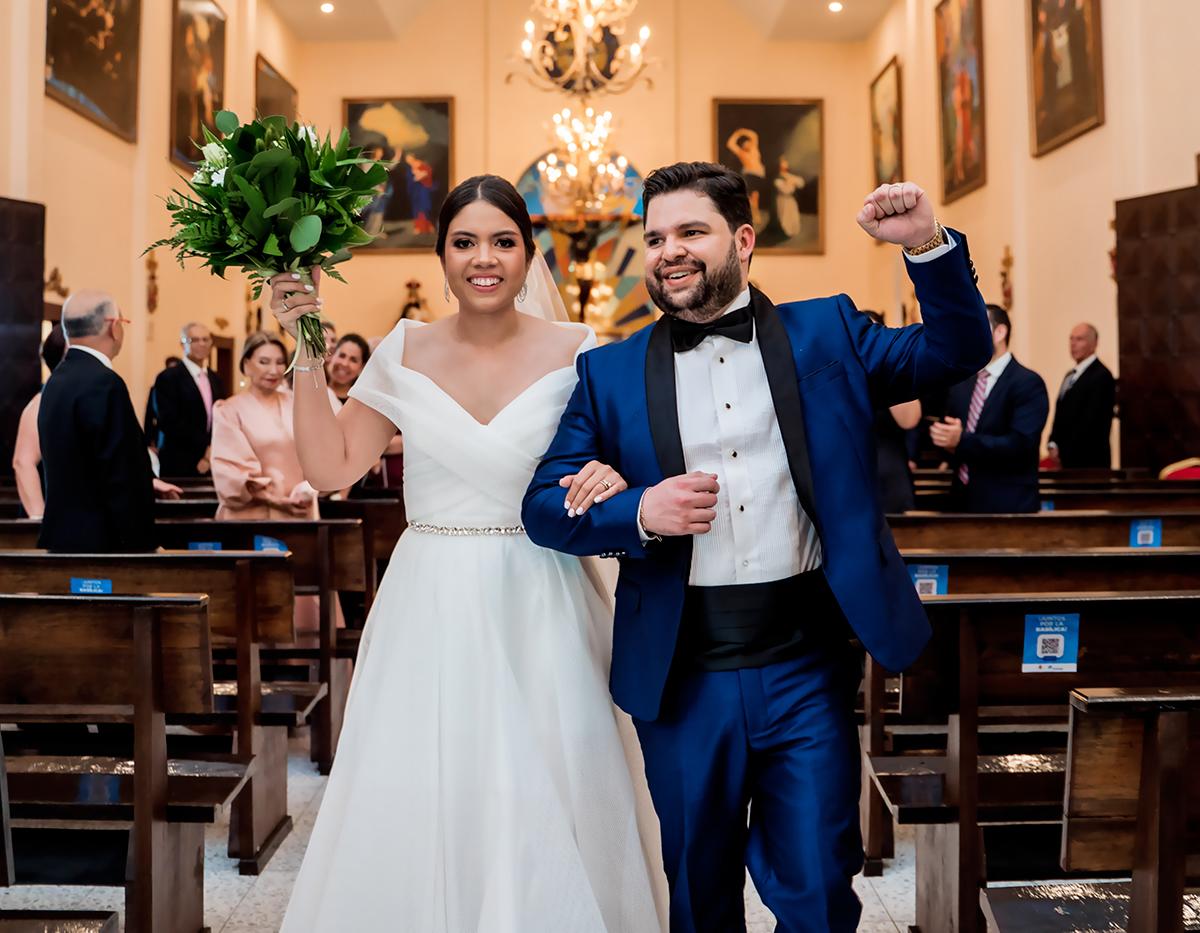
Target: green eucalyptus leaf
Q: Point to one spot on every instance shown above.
(306, 233)
(268, 160)
(280, 207)
(227, 121)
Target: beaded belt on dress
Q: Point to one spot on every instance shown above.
(462, 530)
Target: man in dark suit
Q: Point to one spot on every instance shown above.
(184, 396)
(750, 538)
(993, 430)
(1084, 413)
(99, 489)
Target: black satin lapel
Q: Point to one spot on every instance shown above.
(661, 405)
(776, 349)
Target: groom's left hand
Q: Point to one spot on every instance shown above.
(900, 214)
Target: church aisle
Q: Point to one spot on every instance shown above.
(237, 904)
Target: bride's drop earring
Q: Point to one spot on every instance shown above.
(446, 289)
(524, 292)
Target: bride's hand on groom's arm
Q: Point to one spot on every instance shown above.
(594, 483)
(681, 505)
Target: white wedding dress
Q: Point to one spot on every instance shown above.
(481, 783)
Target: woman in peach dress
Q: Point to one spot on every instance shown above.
(255, 468)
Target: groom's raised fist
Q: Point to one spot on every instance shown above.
(681, 505)
(900, 214)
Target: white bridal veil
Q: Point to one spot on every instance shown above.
(542, 298)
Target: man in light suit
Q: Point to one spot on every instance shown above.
(750, 535)
(993, 430)
(184, 397)
(1084, 413)
(99, 489)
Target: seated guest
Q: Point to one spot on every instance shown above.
(27, 451)
(350, 355)
(256, 471)
(1084, 413)
(184, 397)
(99, 489)
(891, 445)
(993, 430)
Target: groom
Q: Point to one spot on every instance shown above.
(751, 541)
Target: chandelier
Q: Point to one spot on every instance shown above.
(576, 46)
(580, 170)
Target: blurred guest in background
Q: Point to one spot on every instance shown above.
(891, 445)
(993, 430)
(256, 471)
(350, 355)
(99, 488)
(27, 452)
(1084, 413)
(184, 397)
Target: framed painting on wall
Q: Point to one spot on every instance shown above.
(197, 75)
(887, 131)
(416, 136)
(1066, 71)
(778, 146)
(958, 35)
(273, 94)
(92, 60)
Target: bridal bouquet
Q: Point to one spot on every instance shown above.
(271, 198)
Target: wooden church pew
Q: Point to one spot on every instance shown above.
(1132, 805)
(250, 603)
(131, 820)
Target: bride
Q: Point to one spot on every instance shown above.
(481, 782)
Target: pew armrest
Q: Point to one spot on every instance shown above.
(1135, 700)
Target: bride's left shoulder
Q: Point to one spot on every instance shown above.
(580, 336)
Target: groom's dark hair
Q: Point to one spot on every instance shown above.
(724, 187)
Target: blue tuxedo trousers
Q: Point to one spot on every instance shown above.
(759, 768)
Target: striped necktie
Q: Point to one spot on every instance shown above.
(977, 398)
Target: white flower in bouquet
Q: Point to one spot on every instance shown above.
(309, 134)
(215, 155)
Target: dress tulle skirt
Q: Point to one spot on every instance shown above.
(481, 783)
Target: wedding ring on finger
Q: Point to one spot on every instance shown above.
(606, 484)
(283, 301)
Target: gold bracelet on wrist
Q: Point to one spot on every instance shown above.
(938, 239)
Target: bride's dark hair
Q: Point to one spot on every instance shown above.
(499, 193)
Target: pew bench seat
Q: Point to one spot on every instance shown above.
(58, 921)
(1067, 907)
(101, 787)
(284, 703)
(1013, 788)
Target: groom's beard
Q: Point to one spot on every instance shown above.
(703, 301)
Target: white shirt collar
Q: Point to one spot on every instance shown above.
(1084, 364)
(997, 366)
(193, 368)
(92, 352)
(741, 301)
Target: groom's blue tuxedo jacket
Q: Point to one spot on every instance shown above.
(829, 368)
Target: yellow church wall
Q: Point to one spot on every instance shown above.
(1053, 211)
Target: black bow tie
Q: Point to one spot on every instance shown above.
(736, 325)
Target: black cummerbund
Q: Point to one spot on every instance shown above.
(726, 628)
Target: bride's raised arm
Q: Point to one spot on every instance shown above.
(335, 450)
